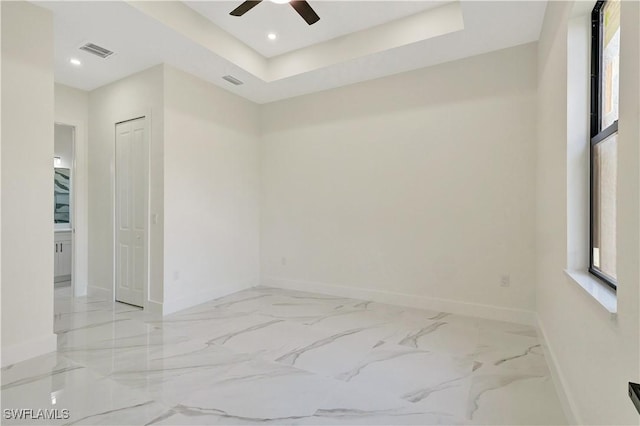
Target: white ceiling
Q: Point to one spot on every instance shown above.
(337, 18)
(357, 40)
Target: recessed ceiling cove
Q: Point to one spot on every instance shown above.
(353, 41)
(415, 28)
(338, 18)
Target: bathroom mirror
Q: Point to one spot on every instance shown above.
(61, 185)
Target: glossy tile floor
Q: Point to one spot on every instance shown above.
(273, 356)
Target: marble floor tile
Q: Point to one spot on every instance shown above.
(105, 334)
(440, 336)
(215, 325)
(514, 399)
(52, 382)
(169, 377)
(331, 352)
(498, 351)
(415, 375)
(269, 339)
(351, 403)
(254, 392)
(280, 357)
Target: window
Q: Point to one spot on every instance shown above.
(605, 67)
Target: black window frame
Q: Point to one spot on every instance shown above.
(597, 133)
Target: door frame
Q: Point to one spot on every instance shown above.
(79, 229)
(134, 115)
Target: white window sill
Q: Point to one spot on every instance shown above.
(601, 292)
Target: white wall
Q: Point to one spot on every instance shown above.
(72, 108)
(416, 188)
(27, 176)
(134, 96)
(211, 191)
(594, 354)
(203, 179)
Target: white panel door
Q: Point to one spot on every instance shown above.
(131, 211)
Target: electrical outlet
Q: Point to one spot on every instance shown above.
(283, 261)
(505, 281)
(176, 275)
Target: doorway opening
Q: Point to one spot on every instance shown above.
(64, 206)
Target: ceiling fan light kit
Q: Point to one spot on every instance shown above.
(303, 8)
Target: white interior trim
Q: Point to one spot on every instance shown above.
(153, 307)
(578, 141)
(493, 312)
(99, 292)
(599, 291)
(171, 306)
(80, 201)
(560, 383)
(29, 349)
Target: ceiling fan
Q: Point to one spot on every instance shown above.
(301, 6)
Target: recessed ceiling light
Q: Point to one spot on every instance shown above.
(74, 61)
(280, 1)
(272, 36)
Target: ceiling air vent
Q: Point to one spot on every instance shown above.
(231, 79)
(96, 50)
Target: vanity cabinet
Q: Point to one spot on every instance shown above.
(62, 256)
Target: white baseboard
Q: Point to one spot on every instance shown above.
(29, 349)
(99, 292)
(79, 289)
(567, 401)
(171, 306)
(153, 307)
(500, 313)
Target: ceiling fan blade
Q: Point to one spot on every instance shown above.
(244, 7)
(305, 10)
